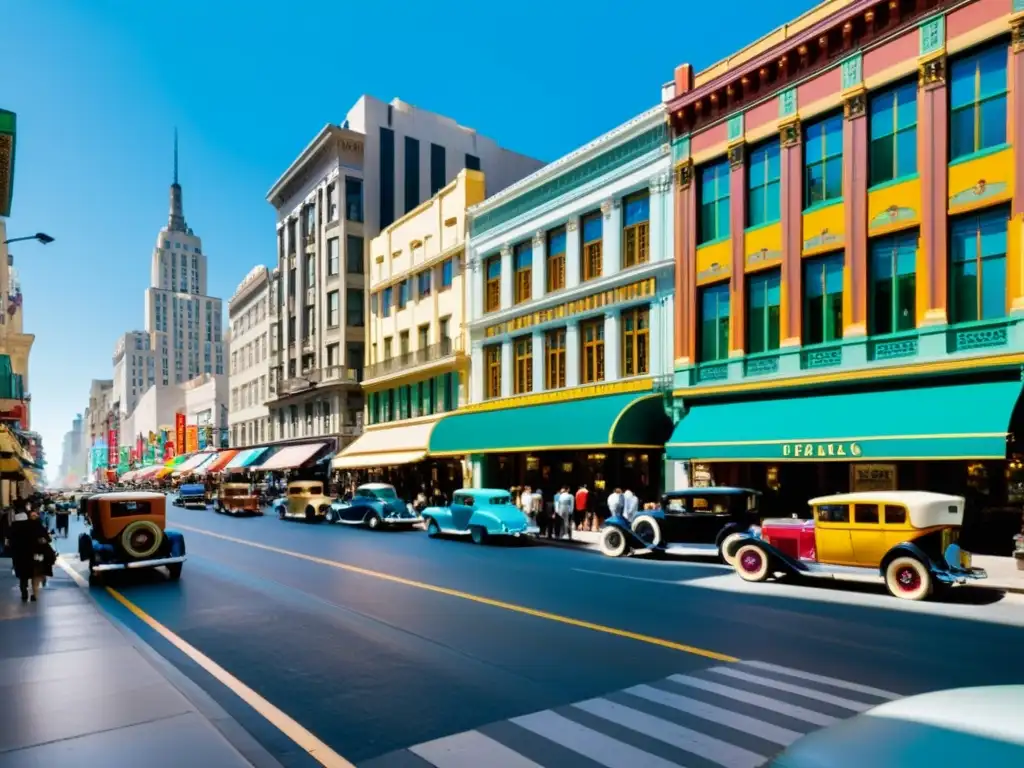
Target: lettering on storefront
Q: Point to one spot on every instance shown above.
(873, 477)
(821, 450)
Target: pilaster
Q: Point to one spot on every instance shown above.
(475, 283)
(507, 277)
(540, 265)
(686, 263)
(572, 354)
(506, 368)
(791, 213)
(855, 198)
(660, 249)
(476, 373)
(612, 344)
(611, 237)
(737, 239)
(572, 252)
(538, 360)
(1015, 234)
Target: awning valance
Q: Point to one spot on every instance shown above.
(290, 457)
(246, 457)
(193, 463)
(953, 421)
(627, 420)
(388, 445)
(217, 463)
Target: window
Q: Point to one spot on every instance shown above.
(895, 515)
(893, 295)
(423, 284)
(493, 295)
(523, 257)
(833, 513)
(354, 315)
(714, 202)
(437, 170)
(764, 172)
(412, 173)
(310, 271)
(522, 349)
(310, 324)
(714, 323)
(332, 257)
(556, 260)
(353, 199)
(591, 251)
(354, 255)
(387, 348)
(636, 234)
(592, 362)
(893, 150)
(472, 162)
(492, 357)
(403, 343)
(823, 299)
(423, 334)
(636, 325)
(333, 308)
(554, 351)
(386, 300)
(823, 161)
(865, 514)
(403, 293)
(977, 274)
(446, 273)
(977, 102)
(445, 328)
(332, 201)
(764, 299)
(332, 354)
(387, 176)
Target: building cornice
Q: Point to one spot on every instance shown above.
(329, 134)
(258, 277)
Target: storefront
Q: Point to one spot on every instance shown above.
(951, 436)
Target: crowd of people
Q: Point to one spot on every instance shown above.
(567, 511)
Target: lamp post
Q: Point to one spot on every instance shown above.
(42, 237)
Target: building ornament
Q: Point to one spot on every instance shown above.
(506, 250)
(572, 224)
(855, 104)
(790, 133)
(1017, 33)
(932, 73)
(538, 238)
(737, 155)
(684, 174)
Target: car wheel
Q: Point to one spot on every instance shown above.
(373, 522)
(331, 516)
(727, 542)
(141, 539)
(752, 563)
(647, 530)
(174, 569)
(478, 534)
(613, 542)
(433, 529)
(908, 578)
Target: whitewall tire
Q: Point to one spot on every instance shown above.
(613, 542)
(727, 542)
(752, 563)
(908, 578)
(647, 530)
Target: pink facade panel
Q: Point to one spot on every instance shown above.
(903, 48)
(763, 114)
(972, 16)
(824, 85)
(712, 137)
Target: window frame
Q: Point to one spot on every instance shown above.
(891, 95)
(492, 369)
(333, 312)
(555, 260)
(999, 216)
(591, 251)
(333, 256)
(635, 325)
(829, 158)
(592, 357)
(762, 281)
(714, 176)
(522, 365)
(978, 56)
(522, 268)
(823, 262)
(768, 150)
(554, 358)
(892, 247)
(718, 291)
(492, 285)
(636, 237)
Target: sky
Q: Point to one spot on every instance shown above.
(100, 85)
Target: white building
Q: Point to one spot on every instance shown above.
(203, 400)
(249, 371)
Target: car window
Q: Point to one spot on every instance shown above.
(294, 491)
(895, 514)
(833, 513)
(362, 493)
(384, 493)
(316, 489)
(129, 508)
(499, 500)
(865, 513)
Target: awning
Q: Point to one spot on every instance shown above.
(290, 456)
(218, 462)
(193, 463)
(388, 445)
(628, 420)
(174, 462)
(954, 421)
(147, 472)
(129, 475)
(245, 458)
(162, 473)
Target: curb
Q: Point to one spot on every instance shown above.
(591, 549)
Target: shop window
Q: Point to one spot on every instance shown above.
(893, 125)
(523, 258)
(823, 299)
(522, 350)
(714, 202)
(636, 325)
(714, 323)
(554, 352)
(592, 254)
(977, 102)
(893, 295)
(592, 351)
(556, 260)
(636, 232)
(493, 292)
(764, 174)
(492, 361)
(977, 274)
(764, 301)
(823, 161)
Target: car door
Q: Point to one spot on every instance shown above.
(832, 534)
(462, 510)
(867, 535)
(355, 512)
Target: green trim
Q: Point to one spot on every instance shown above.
(893, 182)
(931, 35)
(8, 144)
(762, 225)
(716, 241)
(823, 204)
(979, 154)
(852, 71)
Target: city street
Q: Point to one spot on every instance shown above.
(380, 642)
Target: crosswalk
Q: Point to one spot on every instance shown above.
(736, 716)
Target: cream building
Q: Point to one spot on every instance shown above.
(416, 363)
(249, 377)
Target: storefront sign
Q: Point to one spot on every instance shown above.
(821, 450)
(112, 448)
(191, 438)
(873, 477)
(169, 451)
(179, 430)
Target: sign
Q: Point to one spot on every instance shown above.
(191, 438)
(169, 451)
(179, 432)
(124, 459)
(112, 448)
(201, 436)
(821, 450)
(873, 477)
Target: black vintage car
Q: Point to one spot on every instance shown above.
(694, 521)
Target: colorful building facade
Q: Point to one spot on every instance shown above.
(849, 207)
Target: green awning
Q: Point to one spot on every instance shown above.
(623, 420)
(958, 421)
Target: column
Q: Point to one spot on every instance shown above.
(933, 165)
(572, 354)
(612, 346)
(572, 252)
(539, 361)
(611, 237)
(506, 368)
(685, 236)
(1015, 241)
(656, 187)
(737, 239)
(282, 309)
(507, 277)
(855, 197)
(791, 212)
(475, 282)
(540, 266)
(476, 372)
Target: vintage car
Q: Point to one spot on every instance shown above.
(237, 499)
(482, 513)
(374, 505)
(908, 539)
(305, 499)
(127, 531)
(693, 521)
(191, 495)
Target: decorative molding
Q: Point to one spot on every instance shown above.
(1017, 28)
(538, 238)
(734, 128)
(852, 71)
(506, 251)
(737, 155)
(790, 134)
(932, 73)
(894, 214)
(660, 184)
(684, 174)
(762, 257)
(572, 224)
(981, 191)
(787, 102)
(931, 35)
(855, 104)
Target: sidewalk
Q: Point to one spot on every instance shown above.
(78, 692)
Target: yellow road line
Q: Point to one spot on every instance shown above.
(316, 749)
(522, 609)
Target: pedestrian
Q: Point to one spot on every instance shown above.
(62, 519)
(615, 503)
(564, 504)
(630, 505)
(582, 500)
(32, 555)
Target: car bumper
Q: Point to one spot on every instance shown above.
(138, 564)
(530, 530)
(401, 520)
(961, 576)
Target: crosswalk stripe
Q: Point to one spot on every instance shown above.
(833, 681)
(765, 702)
(471, 749)
(799, 690)
(744, 723)
(602, 749)
(708, 747)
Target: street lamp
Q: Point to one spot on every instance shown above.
(42, 237)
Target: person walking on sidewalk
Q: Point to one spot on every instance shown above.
(31, 553)
(62, 519)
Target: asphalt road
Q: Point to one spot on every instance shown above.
(378, 642)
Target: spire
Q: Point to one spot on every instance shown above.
(176, 219)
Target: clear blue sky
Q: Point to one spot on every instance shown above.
(99, 86)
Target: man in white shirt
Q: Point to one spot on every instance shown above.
(564, 503)
(615, 503)
(630, 504)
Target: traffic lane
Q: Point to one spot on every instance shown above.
(886, 642)
(369, 666)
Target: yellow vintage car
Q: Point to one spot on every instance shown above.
(237, 499)
(306, 500)
(908, 539)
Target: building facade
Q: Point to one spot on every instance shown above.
(249, 318)
(570, 306)
(849, 205)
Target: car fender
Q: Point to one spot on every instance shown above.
(728, 530)
(485, 520)
(373, 508)
(780, 560)
(177, 542)
(623, 525)
(909, 549)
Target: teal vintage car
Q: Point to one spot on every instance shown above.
(480, 512)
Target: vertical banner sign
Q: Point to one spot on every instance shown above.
(140, 446)
(124, 459)
(201, 438)
(112, 448)
(169, 450)
(192, 438)
(179, 429)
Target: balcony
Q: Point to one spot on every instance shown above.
(424, 356)
(333, 374)
(314, 377)
(309, 344)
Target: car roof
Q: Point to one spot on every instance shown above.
(375, 486)
(305, 482)
(116, 495)
(714, 490)
(483, 491)
(889, 497)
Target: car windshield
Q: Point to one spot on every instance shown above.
(499, 500)
(383, 493)
(713, 504)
